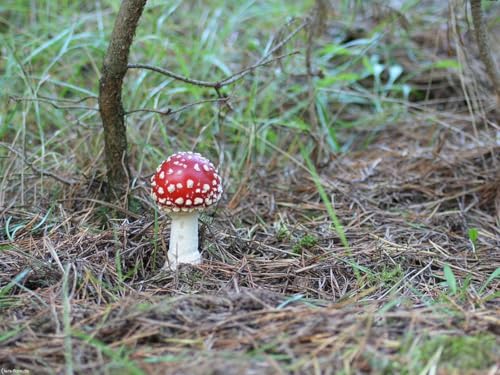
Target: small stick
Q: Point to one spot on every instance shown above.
(216, 85)
(170, 111)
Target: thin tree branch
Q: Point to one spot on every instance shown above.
(170, 111)
(237, 76)
(35, 169)
(234, 77)
(75, 101)
(216, 85)
(51, 102)
(173, 75)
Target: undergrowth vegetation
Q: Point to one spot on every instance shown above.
(359, 228)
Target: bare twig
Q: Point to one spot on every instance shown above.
(173, 75)
(74, 101)
(52, 100)
(237, 76)
(170, 111)
(265, 60)
(35, 168)
(216, 85)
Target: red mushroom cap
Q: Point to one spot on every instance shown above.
(186, 181)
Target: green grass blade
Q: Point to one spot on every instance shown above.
(339, 229)
(17, 279)
(68, 345)
(117, 356)
(324, 197)
(492, 277)
(450, 279)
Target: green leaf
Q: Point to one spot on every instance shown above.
(339, 228)
(8, 334)
(17, 279)
(326, 200)
(335, 49)
(395, 72)
(473, 233)
(342, 77)
(446, 64)
(294, 298)
(492, 277)
(450, 279)
(117, 355)
(214, 60)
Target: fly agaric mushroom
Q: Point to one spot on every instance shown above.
(183, 185)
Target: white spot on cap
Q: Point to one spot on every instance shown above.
(214, 182)
(208, 201)
(198, 191)
(188, 202)
(206, 167)
(153, 183)
(206, 187)
(162, 200)
(170, 171)
(179, 185)
(158, 169)
(171, 188)
(162, 175)
(198, 200)
(197, 167)
(169, 203)
(190, 184)
(179, 172)
(179, 200)
(160, 190)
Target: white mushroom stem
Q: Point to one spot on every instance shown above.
(183, 239)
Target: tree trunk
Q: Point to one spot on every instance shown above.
(110, 96)
(484, 46)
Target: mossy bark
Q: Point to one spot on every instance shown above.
(110, 96)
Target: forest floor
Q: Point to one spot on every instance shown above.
(414, 183)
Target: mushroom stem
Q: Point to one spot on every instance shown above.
(183, 246)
